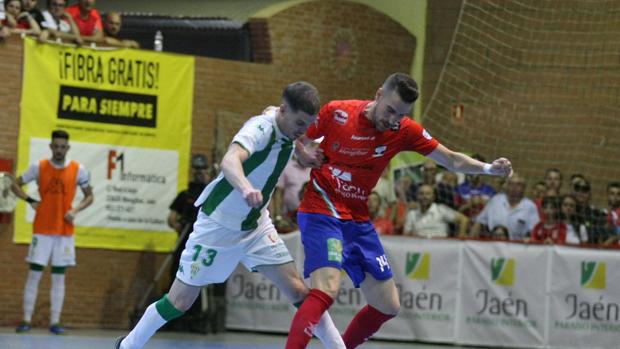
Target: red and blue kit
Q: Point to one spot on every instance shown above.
(333, 216)
(357, 155)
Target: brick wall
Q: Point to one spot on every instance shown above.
(345, 49)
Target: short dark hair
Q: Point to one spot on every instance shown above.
(549, 170)
(302, 96)
(552, 201)
(60, 134)
(404, 84)
(613, 185)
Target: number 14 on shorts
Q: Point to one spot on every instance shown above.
(383, 262)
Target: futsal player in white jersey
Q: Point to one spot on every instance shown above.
(233, 224)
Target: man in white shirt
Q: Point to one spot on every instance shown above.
(511, 209)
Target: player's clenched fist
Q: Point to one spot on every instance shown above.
(253, 197)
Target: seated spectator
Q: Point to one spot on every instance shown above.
(376, 210)
(87, 19)
(593, 218)
(445, 192)
(499, 233)
(511, 209)
(576, 232)
(111, 28)
(430, 219)
(18, 21)
(58, 24)
(553, 182)
(613, 214)
(552, 230)
(538, 191)
(31, 7)
(474, 193)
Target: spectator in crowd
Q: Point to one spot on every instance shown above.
(500, 233)
(58, 24)
(474, 193)
(285, 200)
(402, 189)
(552, 230)
(553, 182)
(576, 232)
(395, 205)
(53, 239)
(384, 187)
(593, 218)
(19, 21)
(31, 7)
(613, 214)
(511, 209)
(445, 191)
(87, 19)
(112, 27)
(183, 213)
(377, 212)
(538, 191)
(430, 219)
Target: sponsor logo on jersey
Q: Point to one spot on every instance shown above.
(340, 174)
(353, 151)
(344, 185)
(427, 135)
(340, 116)
(362, 138)
(379, 151)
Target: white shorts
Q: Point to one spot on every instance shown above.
(60, 248)
(212, 252)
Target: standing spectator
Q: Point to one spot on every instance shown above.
(31, 7)
(511, 209)
(431, 219)
(87, 19)
(552, 230)
(183, 213)
(58, 24)
(18, 21)
(613, 216)
(576, 232)
(593, 218)
(112, 27)
(53, 231)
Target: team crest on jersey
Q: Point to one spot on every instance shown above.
(427, 135)
(379, 151)
(341, 116)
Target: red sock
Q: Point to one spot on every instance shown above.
(306, 317)
(365, 323)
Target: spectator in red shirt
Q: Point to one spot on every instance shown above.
(552, 230)
(18, 21)
(87, 19)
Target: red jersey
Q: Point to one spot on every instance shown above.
(86, 25)
(356, 155)
(557, 232)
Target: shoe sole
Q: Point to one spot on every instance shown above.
(117, 343)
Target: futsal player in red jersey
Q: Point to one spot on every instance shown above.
(360, 139)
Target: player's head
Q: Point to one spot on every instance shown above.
(299, 109)
(59, 145)
(393, 101)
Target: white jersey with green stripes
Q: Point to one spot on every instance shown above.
(270, 150)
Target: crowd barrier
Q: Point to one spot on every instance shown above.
(466, 292)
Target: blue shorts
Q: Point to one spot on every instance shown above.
(342, 244)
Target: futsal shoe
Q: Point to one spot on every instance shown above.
(23, 327)
(57, 329)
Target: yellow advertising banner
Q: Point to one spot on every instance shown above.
(128, 113)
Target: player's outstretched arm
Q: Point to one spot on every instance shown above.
(459, 162)
(232, 167)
